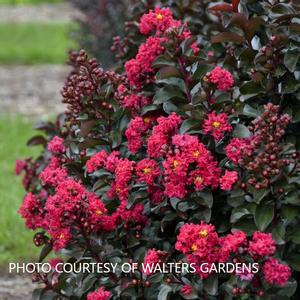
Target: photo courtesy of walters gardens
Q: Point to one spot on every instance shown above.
(173, 169)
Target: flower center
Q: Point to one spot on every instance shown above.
(98, 212)
(159, 17)
(147, 170)
(175, 164)
(199, 179)
(216, 124)
(194, 247)
(203, 233)
(118, 190)
(62, 236)
(196, 153)
(146, 120)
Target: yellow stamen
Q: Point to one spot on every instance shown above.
(175, 164)
(199, 179)
(196, 153)
(216, 124)
(147, 170)
(118, 190)
(194, 247)
(146, 120)
(61, 236)
(159, 17)
(99, 212)
(203, 233)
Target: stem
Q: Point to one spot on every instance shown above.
(186, 79)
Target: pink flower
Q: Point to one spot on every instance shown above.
(100, 294)
(156, 195)
(32, 211)
(151, 258)
(96, 161)
(262, 244)
(216, 125)
(135, 101)
(195, 48)
(228, 180)
(61, 238)
(186, 290)
(161, 134)
(140, 68)
(20, 166)
(275, 272)
(133, 133)
(55, 263)
(54, 173)
(231, 242)
(222, 78)
(158, 20)
(147, 171)
(238, 149)
(56, 145)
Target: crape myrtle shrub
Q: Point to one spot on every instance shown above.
(190, 154)
(103, 25)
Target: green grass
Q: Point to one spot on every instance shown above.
(32, 43)
(17, 2)
(15, 240)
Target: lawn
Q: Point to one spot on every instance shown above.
(15, 240)
(31, 43)
(17, 2)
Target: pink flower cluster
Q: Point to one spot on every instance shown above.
(239, 148)
(100, 294)
(201, 243)
(262, 244)
(216, 125)
(158, 21)
(275, 272)
(134, 132)
(56, 145)
(122, 171)
(221, 78)
(161, 134)
(140, 68)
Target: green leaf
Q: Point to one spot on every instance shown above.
(250, 111)
(238, 213)
(167, 72)
(291, 58)
(201, 70)
(289, 212)
(166, 93)
(116, 138)
(264, 215)
(278, 234)
(211, 285)
(174, 81)
(250, 88)
(290, 85)
(45, 251)
(169, 107)
(289, 289)
(292, 198)
(164, 292)
(241, 131)
(294, 261)
(188, 124)
(295, 237)
(163, 61)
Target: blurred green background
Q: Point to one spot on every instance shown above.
(30, 44)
